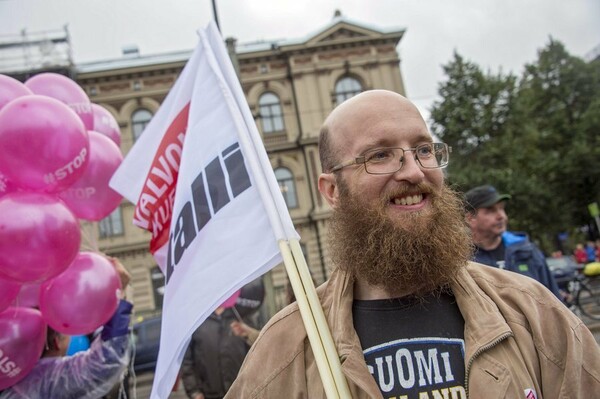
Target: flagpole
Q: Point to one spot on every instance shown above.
(320, 320)
(327, 359)
(214, 7)
(310, 325)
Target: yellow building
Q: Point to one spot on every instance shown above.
(290, 86)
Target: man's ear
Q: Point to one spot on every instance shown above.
(470, 217)
(329, 189)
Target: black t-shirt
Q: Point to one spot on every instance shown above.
(413, 348)
(496, 255)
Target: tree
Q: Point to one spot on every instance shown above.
(536, 137)
(560, 94)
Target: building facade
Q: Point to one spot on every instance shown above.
(290, 86)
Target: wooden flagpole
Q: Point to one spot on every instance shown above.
(321, 341)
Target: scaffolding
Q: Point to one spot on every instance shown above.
(28, 53)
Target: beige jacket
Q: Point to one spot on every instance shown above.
(517, 336)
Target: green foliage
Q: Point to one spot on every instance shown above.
(536, 137)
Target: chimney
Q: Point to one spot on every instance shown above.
(131, 51)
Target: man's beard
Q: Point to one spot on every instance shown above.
(413, 253)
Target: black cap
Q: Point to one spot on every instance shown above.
(483, 197)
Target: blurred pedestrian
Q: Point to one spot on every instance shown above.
(241, 329)
(580, 254)
(590, 249)
(88, 374)
(214, 357)
(497, 247)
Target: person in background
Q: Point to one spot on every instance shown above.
(590, 249)
(580, 255)
(88, 374)
(214, 357)
(241, 329)
(409, 314)
(497, 247)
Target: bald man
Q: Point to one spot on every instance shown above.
(410, 316)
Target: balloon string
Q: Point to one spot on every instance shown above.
(89, 238)
(237, 315)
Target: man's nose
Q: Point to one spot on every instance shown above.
(410, 169)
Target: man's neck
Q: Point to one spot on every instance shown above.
(488, 243)
(366, 292)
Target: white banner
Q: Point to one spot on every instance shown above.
(204, 187)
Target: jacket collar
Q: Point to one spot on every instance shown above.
(484, 324)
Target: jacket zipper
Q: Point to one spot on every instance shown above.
(479, 352)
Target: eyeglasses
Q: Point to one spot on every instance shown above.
(382, 161)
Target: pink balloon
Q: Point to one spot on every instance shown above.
(39, 236)
(43, 145)
(230, 302)
(65, 90)
(10, 89)
(9, 290)
(28, 296)
(22, 339)
(6, 186)
(83, 297)
(105, 123)
(91, 198)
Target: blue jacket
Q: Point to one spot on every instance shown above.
(523, 257)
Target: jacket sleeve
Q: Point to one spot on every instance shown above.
(581, 375)
(188, 376)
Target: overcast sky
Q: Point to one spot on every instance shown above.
(495, 34)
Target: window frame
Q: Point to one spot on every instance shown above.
(106, 226)
(138, 126)
(287, 186)
(271, 113)
(343, 91)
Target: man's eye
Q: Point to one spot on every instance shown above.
(380, 155)
(424, 151)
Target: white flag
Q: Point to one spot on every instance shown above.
(204, 187)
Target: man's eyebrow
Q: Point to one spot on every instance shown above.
(383, 142)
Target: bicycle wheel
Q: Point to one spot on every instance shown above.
(588, 299)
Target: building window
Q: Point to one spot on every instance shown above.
(271, 114)
(112, 225)
(158, 286)
(345, 88)
(285, 179)
(139, 121)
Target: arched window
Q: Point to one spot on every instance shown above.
(139, 121)
(271, 114)
(285, 179)
(112, 225)
(345, 88)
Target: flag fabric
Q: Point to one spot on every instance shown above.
(203, 185)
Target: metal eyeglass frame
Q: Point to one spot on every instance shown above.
(364, 159)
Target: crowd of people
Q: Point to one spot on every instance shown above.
(430, 296)
(588, 252)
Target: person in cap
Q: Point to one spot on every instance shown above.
(410, 315)
(495, 246)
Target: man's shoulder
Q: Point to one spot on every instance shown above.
(284, 332)
(279, 346)
(510, 238)
(505, 282)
